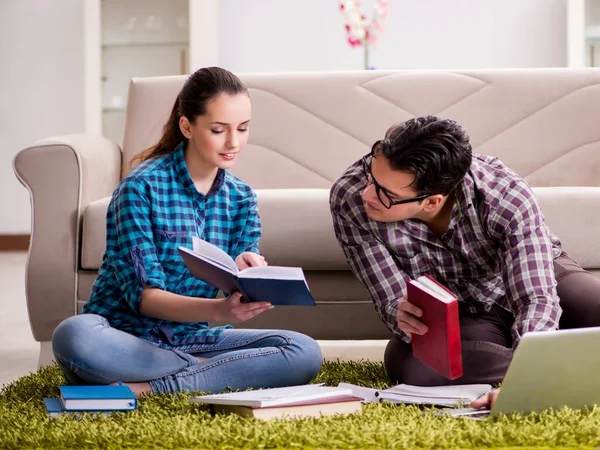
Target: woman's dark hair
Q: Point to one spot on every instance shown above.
(201, 87)
(436, 151)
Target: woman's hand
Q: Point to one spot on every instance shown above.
(486, 400)
(231, 309)
(249, 259)
(408, 320)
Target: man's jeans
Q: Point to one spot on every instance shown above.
(90, 351)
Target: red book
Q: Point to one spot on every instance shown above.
(440, 347)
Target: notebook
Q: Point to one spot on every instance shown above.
(274, 284)
(439, 348)
(97, 398)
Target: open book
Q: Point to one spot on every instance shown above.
(275, 284)
(440, 347)
(434, 395)
(449, 396)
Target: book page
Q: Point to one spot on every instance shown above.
(415, 400)
(442, 294)
(464, 391)
(214, 254)
(273, 273)
(429, 291)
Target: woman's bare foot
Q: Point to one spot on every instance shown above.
(138, 389)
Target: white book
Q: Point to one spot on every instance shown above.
(263, 398)
(277, 285)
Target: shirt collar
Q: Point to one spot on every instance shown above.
(184, 174)
(463, 198)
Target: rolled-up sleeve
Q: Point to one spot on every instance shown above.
(130, 238)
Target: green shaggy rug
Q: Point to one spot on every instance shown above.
(173, 422)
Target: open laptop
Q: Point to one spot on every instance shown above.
(550, 369)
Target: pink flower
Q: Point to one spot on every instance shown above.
(359, 29)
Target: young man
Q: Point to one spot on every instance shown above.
(422, 202)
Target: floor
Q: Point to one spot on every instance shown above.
(18, 350)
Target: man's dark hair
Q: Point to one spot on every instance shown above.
(436, 151)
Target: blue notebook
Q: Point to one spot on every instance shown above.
(97, 398)
(274, 284)
(54, 408)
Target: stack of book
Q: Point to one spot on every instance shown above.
(91, 399)
(286, 403)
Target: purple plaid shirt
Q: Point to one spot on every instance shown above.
(497, 249)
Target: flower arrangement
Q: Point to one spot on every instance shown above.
(359, 30)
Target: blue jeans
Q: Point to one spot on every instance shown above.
(90, 351)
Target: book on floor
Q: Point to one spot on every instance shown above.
(55, 408)
(284, 396)
(448, 396)
(97, 398)
(340, 405)
(440, 347)
(275, 284)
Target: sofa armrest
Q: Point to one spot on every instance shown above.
(63, 174)
(297, 229)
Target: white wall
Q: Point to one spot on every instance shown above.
(42, 61)
(299, 35)
(41, 88)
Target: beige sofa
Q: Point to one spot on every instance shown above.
(306, 129)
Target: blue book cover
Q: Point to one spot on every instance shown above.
(97, 398)
(276, 292)
(53, 405)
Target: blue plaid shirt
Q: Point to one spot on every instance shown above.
(154, 210)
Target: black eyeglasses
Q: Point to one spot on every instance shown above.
(382, 195)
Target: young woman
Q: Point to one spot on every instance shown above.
(147, 320)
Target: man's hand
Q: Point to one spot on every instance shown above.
(408, 320)
(486, 400)
(231, 309)
(249, 259)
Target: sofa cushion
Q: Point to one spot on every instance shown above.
(573, 214)
(297, 227)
